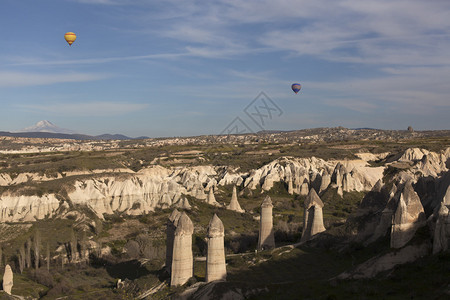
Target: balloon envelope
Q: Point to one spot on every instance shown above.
(70, 37)
(296, 87)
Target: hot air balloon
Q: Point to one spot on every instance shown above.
(296, 87)
(70, 37)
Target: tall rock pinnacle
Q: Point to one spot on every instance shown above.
(234, 204)
(312, 218)
(266, 238)
(182, 259)
(215, 260)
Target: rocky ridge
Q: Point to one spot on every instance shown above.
(159, 187)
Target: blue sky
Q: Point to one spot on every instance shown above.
(177, 68)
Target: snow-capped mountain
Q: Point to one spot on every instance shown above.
(46, 126)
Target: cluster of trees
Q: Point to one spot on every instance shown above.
(33, 254)
(29, 253)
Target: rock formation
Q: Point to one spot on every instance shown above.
(290, 187)
(234, 204)
(136, 193)
(170, 236)
(374, 214)
(183, 203)
(441, 240)
(8, 280)
(182, 258)
(312, 218)
(325, 181)
(27, 208)
(215, 259)
(408, 217)
(266, 238)
(303, 189)
(211, 200)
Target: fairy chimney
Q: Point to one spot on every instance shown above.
(312, 217)
(215, 260)
(211, 200)
(8, 280)
(408, 217)
(266, 239)
(170, 235)
(234, 204)
(182, 259)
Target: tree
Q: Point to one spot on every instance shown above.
(37, 246)
(28, 255)
(48, 257)
(73, 246)
(21, 258)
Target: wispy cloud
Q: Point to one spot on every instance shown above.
(417, 91)
(19, 79)
(94, 108)
(387, 32)
(107, 2)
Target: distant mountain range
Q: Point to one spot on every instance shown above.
(46, 129)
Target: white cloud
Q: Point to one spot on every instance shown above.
(387, 32)
(19, 79)
(94, 108)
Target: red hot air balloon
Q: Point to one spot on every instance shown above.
(296, 87)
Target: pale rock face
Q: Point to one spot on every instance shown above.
(285, 169)
(304, 189)
(5, 179)
(158, 187)
(234, 204)
(27, 208)
(215, 259)
(340, 191)
(408, 217)
(229, 177)
(266, 236)
(325, 182)
(182, 258)
(134, 196)
(371, 156)
(290, 187)
(413, 154)
(339, 171)
(432, 164)
(312, 218)
(211, 199)
(360, 178)
(441, 239)
(183, 203)
(212, 184)
(8, 280)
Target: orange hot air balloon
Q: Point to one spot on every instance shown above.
(70, 37)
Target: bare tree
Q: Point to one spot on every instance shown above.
(28, 256)
(21, 258)
(37, 246)
(73, 246)
(84, 249)
(48, 257)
